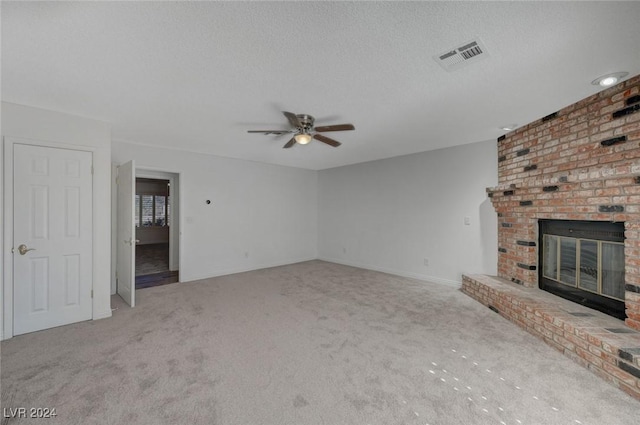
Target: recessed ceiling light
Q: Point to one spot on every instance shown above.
(609, 79)
(509, 127)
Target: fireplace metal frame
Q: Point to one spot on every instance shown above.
(592, 230)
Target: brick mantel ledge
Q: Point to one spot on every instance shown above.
(592, 339)
(573, 179)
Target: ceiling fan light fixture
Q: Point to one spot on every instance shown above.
(302, 138)
(304, 131)
(609, 79)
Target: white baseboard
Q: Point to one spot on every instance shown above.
(233, 270)
(418, 276)
(102, 314)
(402, 273)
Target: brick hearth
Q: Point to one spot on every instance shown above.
(579, 163)
(596, 341)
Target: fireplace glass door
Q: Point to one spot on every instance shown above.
(593, 266)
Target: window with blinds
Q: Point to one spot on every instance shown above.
(152, 203)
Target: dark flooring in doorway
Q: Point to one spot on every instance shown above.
(157, 279)
(152, 266)
(152, 258)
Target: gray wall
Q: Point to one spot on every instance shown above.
(390, 215)
(260, 215)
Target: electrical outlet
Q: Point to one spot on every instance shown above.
(246, 254)
(344, 250)
(426, 262)
(467, 221)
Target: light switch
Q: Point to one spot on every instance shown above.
(467, 221)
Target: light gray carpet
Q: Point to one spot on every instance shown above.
(310, 343)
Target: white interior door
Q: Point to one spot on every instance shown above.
(126, 242)
(52, 237)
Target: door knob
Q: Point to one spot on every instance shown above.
(22, 249)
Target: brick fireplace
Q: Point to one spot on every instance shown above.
(581, 163)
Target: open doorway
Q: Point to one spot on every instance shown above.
(155, 210)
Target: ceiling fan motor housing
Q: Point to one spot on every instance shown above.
(306, 121)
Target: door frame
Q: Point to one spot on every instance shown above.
(6, 330)
(174, 238)
(174, 234)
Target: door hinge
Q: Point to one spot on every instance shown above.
(92, 169)
(92, 293)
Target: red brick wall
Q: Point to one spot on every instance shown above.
(580, 163)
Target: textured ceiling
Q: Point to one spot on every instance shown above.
(197, 76)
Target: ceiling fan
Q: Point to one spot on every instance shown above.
(304, 130)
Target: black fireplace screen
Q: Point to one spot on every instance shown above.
(583, 261)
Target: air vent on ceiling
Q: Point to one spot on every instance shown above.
(465, 54)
